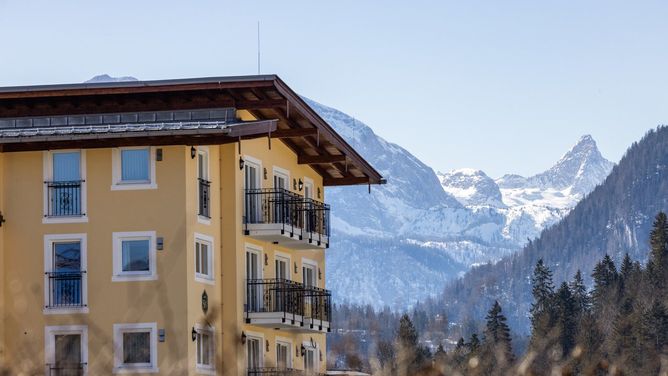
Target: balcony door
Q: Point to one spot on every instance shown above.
(308, 279)
(253, 196)
(65, 187)
(253, 353)
(66, 353)
(283, 357)
(204, 183)
(281, 205)
(310, 360)
(281, 265)
(254, 280)
(309, 220)
(65, 278)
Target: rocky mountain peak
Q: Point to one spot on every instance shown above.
(471, 187)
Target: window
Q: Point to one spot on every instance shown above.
(283, 354)
(282, 266)
(204, 258)
(204, 185)
(310, 360)
(254, 359)
(134, 168)
(135, 348)
(205, 349)
(66, 350)
(64, 187)
(134, 256)
(65, 278)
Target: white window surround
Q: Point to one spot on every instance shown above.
(284, 256)
(257, 163)
(121, 276)
(49, 241)
(288, 342)
(47, 161)
(208, 240)
(204, 150)
(279, 171)
(119, 329)
(50, 342)
(316, 353)
(259, 251)
(203, 368)
(117, 184)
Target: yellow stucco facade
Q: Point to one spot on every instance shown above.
(172, 299)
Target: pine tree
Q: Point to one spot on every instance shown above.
(580, 294)
(657, 265)
(543, 294)
(566, 319)
(411, 355)
(654, 326)
(474, 343)
(497, 335)
(605, 280)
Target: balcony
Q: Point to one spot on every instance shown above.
(64, 198)
(204, 195)
(286, 218)
(65, 289)
(65, 369)
(288, 305)
(273, 371)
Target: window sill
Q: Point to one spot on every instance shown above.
(134, 278)
(205, 370)
(135, 370)
(72, 219)
(203, 220)
(65, 311)
(133, 186)
(203, 279)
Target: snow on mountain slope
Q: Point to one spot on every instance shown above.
(406, 239)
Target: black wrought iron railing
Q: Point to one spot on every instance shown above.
(316, 220)
(275, 295)
(65, 289)
(274, 206)
(66, 369)
(204, 198)
(274, 371)
(318, 305)
(64, 198)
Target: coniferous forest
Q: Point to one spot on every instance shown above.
(619, 326)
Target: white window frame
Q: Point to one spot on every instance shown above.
(284, 341)
(279, 171)
(283, 256)
(199, 277)
(47, 161)
(204, 150)
(49, 241)
(257, 163)
(118, 185)
(119, 329)
(308, 181)
(50, 333)
(316, 357)
(203, 368)
(121, 276)
(260, 337)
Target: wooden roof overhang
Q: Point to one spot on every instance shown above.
(281, 114)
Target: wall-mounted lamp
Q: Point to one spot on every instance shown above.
(303, 350)
(297, 351)
(193, 152)
(266, 259)
(242, 163)
(193, 334)
(321, 355)
(243, 338)
(319, 273)
(264, 172)
(296, 270)
(267, 345)
(318, 192)
(301, 185)
(294, 184)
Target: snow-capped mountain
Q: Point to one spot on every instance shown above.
(107, 78)
(403, 241)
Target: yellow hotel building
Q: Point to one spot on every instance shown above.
(171, 227)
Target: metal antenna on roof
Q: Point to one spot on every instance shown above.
(258, 48)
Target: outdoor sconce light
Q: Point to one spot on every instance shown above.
(243, 338)
(321, 355)
(193, 152)
(241, 163)
(267, 345)
(297, 351)
(303, 350)
(264, 172)
(266, 259)
(319, 273)
(301, 185)
(193, 334)
(318, 192)
(296, 270)
(294, 184)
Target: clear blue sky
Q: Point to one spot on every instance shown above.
(503, 86)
